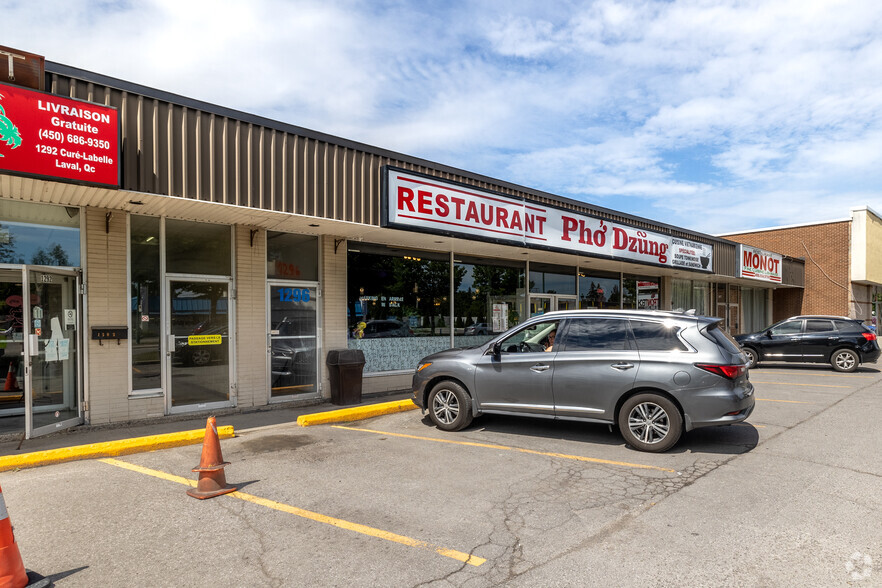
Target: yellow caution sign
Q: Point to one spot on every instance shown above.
(203, 340)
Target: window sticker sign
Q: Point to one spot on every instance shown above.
(194, 340)
(52, 136)
(423, 203)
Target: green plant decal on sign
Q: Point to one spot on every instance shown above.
(8, 131)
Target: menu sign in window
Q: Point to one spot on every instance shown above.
(52, 136)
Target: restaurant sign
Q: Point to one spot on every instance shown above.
(423, 203)
(759, 264)
(52, 136)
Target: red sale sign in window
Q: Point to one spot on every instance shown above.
(46, 135)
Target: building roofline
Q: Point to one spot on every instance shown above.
(146, 91)
(778, 228)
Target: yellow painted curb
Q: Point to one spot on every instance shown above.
(354, 414)
(109, 448)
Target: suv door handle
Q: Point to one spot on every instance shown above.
(622, 366)
(539, 368)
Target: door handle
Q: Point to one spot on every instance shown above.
(539, 368)
(622, 366)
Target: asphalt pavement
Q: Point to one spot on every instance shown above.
(247, 419)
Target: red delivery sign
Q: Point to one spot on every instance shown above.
(47, 135)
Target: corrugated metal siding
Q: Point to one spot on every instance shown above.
(172, 149)
(725, 259)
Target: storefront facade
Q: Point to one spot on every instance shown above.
(843, 273)
(223, 255)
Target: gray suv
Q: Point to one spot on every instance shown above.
(654, 374)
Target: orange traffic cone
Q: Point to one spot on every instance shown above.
(12, 570)
(11, 385)
(212, 481)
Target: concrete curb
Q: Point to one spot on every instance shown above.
(109, 448)
(354, 414)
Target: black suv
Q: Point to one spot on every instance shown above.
(842, 342)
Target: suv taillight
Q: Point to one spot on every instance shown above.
(869, 336)
(727, 371)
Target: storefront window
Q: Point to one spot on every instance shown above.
(641, 293)
(599, 289)
(552, 279)
(689, 294)
(755, 310)
(197, 248)
(398, 305)
(39, 234)
(489, 299)
(145, 297)
(291, 257)
(700, 296)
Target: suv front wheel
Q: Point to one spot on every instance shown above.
(650, 422)
(450, 406)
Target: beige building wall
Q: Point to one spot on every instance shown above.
(107, 288)
(334, 327)
(866, 246)
(252, 379)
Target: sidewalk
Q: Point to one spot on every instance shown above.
(259, 417)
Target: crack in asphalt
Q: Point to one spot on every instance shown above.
(238, 510)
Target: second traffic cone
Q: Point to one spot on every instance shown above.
(212, 481)
(12, 570)
(11, 385)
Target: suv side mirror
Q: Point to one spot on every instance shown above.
(497, 349)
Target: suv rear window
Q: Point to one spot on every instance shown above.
(653, 336)
(715, 333)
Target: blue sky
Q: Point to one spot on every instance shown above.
(716, 116)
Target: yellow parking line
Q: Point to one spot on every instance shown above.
(506, 448)
(788, 401)
(796, 384)
(313, 516)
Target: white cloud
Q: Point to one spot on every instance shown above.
(763, 111)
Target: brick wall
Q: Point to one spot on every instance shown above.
(825, 250)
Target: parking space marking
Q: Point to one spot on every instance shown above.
(787, 401)
(796, 384)
(472, 560)
(506, 448)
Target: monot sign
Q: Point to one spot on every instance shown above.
(51, 136)
(423, 203)
(759, 264)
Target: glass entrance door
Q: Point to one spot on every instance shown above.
(566, 303)
(542, 303)
(52, 372)
(12, 337)
(39, 350)
(292, 335)
(199, 345)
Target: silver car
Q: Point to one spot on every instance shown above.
(654, 374)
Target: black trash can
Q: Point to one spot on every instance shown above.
(344, 369)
